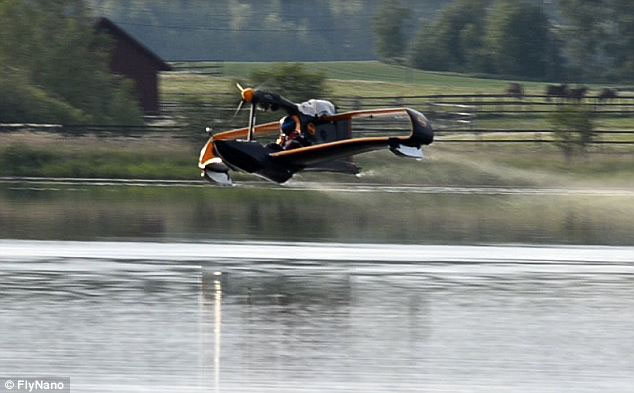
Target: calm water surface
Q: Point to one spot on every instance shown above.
(185, 310)
(244, 324)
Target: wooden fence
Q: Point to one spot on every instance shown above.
(477, 105)
(455, 117)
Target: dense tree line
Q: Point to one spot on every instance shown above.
(600, 37)
(54, 67)
(573, 39)
(256, 30)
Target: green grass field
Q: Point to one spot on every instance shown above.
(367, 78)
(386, 79)
(375, 79)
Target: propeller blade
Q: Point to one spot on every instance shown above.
(238, 110)
(251, 122)
(264, 85)
(239, 87)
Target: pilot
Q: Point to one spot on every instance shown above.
(291, 136)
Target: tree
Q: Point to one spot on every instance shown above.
(574, 129)
(389, 31)
(430, 49)
(22, 101)
(519, 40)
(584, 31)
(600, 37)
(453, 42)
(56, 53)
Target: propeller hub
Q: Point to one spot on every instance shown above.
(248, 94)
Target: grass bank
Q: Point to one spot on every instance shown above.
(49, 155)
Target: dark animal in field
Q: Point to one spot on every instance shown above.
(515, 90)
(578, 93)
(557, 91)
(607, 94)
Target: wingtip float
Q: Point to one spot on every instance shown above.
(312, 136)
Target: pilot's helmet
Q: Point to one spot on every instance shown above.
(288, 125)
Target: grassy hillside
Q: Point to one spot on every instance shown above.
(366, 78)
(373, 71)
(358, 78)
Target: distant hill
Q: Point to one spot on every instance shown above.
(257, 30)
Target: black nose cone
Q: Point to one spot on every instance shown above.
(247, 156)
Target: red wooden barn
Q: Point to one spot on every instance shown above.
(136, 62)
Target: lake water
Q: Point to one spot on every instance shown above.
(260, 289)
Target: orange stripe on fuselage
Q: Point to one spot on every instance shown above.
(207, 153)
(325, 146)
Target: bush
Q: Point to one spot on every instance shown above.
(21, 160)
(291, 80)
(574, 129)
(23, 102)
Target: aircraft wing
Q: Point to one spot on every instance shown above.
(408, 146)
(366, 113)
(309, 155)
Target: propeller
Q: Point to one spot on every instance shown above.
(247, 96)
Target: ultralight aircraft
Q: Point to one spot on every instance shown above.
(312, 136)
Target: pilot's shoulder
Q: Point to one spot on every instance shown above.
(317, 108)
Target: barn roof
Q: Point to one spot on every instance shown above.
(109, 26)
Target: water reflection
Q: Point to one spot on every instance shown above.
(217, 327)
(405, 328)
(91, 212)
